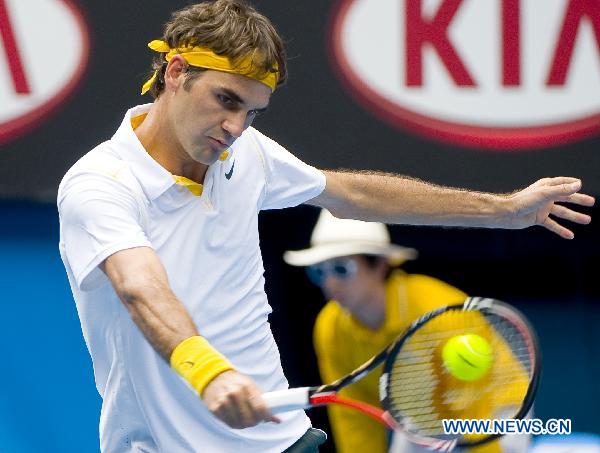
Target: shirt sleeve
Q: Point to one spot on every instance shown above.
(99, 215)
(288, 180)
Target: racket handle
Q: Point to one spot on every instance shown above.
(287, 400)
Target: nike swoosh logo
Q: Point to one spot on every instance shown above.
(230, 172)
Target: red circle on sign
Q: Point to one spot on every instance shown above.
(21, 124)
(494, 138)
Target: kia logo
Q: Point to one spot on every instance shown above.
(497, 74)
(43, 54)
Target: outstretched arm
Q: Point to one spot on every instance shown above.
(389, 198)
(141, 283)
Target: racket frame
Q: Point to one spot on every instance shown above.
(484, 305)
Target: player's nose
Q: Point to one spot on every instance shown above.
(235, 124)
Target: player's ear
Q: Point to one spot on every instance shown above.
(175, 73)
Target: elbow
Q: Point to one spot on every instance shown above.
(133, 291)
(355, 205)
(343, 206)
(129, 295)
(346, 196)
(340, 212)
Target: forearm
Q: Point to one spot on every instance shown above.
(374, 196)
(142, 284)
(170, 330)
(160, 316)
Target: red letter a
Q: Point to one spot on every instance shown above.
(576, 11)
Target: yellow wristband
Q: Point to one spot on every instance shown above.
(198, 362)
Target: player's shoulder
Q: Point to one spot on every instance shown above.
(100, 172)
(251, 137)
(421, 279)
(424, 280)
(328, 321)
(253, 133)
(100, 165)
(256, 140)
(102, 159)
(330, 311)
(427, 287)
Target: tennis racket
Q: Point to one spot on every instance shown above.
(416, 389)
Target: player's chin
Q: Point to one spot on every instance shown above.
(205, 156)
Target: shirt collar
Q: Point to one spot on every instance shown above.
(153, 177)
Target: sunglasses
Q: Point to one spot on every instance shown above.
(341, 268)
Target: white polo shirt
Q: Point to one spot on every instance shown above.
(117, 197)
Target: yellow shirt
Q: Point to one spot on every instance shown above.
(342, 343)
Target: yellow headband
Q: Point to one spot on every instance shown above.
(203, 57)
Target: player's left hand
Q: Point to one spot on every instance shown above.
(535, 204)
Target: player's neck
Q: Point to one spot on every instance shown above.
(157, 138)
(371, 313)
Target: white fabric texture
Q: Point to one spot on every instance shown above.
(117, 197)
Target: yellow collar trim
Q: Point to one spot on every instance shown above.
(194, 187)
(203, 57)
(137, 120)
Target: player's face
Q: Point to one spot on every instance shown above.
(210, 113)
(351, 281)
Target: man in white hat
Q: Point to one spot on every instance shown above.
(370, 303)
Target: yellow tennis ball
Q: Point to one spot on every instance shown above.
(467, 357)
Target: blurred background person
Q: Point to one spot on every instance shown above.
(370, 302)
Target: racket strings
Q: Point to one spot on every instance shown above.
(514, 375)
(422, 392)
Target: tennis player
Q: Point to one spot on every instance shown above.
(159, 238)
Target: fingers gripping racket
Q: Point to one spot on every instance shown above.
(426, 378)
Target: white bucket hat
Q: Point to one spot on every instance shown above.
(333, 237)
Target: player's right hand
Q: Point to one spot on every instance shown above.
(237, 401)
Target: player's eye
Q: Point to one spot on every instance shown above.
(225, 100)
